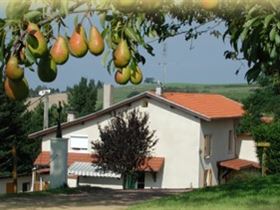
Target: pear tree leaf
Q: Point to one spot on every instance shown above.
(30, 58)
(32, 15)
(2, 46)
(105, 57)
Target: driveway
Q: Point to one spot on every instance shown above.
(84, 199)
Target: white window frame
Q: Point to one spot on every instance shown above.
(207, 150)
(80, 149)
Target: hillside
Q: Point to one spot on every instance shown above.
(234, 91)
(258, 193)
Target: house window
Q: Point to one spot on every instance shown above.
(230, 141)
(207, 146)
(79, 143)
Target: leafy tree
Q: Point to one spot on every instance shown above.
(150, 80)
(99, 84)
(264, 102)
(252, 28)
(13, 135)
(124, 143)
(82, 97)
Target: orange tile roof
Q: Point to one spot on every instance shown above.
(44, 158)
(238, 164)
(212, 106)
(150, 164)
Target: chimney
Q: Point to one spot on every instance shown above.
(71, 116)
(158, 88)
(107, 95)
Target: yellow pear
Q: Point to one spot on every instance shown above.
(16, 90)
(136, 76)
(121, 55)
(13, 71)
(96, 42)
(37, 44)
(122, 76)
(78, 42)
(60, 51)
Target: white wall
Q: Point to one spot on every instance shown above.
(219, 129)
(21, 180)
(101, 182)
(178, 135)
(246, 148)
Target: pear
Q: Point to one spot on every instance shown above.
(78, 42)
(136, 76)
(60, 51)
(121, 55)
(122, 76)
(209, 4)
(16, 90)
(96, 42)
(37, 43)
(47, 69)
(125, 5)
(13, 71)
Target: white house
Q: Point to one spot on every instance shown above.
(197, 143)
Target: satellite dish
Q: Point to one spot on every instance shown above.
(44, 92)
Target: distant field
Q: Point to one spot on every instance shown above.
(234, 91)
(257, 194)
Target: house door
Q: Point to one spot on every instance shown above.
(10, 187)
(141, 180)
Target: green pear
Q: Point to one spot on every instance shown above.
(121, 55)
(36, 42)
(47, 69)
(78, 42)
(13, 71)
(16, 90)
(136, 76)
(122, 76)
(96, 42)
(60, 51)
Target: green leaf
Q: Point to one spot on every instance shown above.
(250, 22)
(32, 41)
(76, 19)
(253, 73)
(105, 57)
(268, 19)
(277, 39)
(30, 58)
(102, 21)
(272, 34)
(63, 7)
(30, 16)
(130, 33)
(2, 46)
(17, 8)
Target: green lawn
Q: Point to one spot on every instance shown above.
(234, 91)
(259, 193)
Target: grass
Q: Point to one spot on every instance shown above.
(234, 91)
(262, 193)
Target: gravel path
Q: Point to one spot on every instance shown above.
(90, 199)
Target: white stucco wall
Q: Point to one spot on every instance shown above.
(178, 135)
(219, 130)
(246, 148)
(101, 182)
(21, 180)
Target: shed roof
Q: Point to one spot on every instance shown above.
(238, 164)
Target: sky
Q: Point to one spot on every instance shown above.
(204, 64)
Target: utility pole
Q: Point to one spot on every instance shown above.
(45, 94)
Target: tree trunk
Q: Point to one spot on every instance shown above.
(14, 172)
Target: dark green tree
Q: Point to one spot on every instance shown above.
(264, 102)
(17, 152)
(82, 97)
(124, 143)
